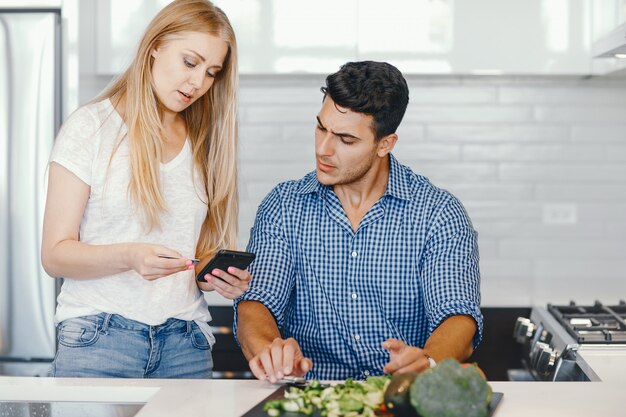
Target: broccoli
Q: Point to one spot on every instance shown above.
(451, 390)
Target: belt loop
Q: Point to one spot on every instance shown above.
(189, 324)
(105, 323)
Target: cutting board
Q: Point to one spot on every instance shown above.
(257, 411)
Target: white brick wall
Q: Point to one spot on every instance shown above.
(507, 147)
(513, 149)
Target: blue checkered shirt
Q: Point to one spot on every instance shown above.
(412, 262)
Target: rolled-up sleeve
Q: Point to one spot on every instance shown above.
(272, 270)
(450, 268)
(76, 145)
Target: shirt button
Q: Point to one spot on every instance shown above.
(353, 254)
(357, 337)
(366, 373)
(354, 296)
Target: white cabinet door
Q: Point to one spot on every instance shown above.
(608, 19)
(419, 36)
(606, 15)
(119, 25)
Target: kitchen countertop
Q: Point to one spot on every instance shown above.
(226, 398)
(607, 361)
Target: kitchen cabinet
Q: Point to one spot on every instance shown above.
(31, 4)
(118, 27)
(606, 15)
(419, 36)
(609, 36)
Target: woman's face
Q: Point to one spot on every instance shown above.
(185, 67)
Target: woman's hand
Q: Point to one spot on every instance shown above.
(147, 260)
(229, 284)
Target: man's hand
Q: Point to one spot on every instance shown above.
(280, 358)
(404, 358)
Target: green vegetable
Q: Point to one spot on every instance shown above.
(347, 399)
(450, 390)
(397, 394)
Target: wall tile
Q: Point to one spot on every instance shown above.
(411, 132)
(559, 191)
(506, 269)
(566, 96)
(531, 153)
(489, 191)
(616, 153)
(300, 132)
(613, 172)
(455, 171)
(613, 212)
(463, 114)
(581, 114)
(251, 152)
(533, 229)
(278, 113)
(420, 94)
(412, 153)
(497, 133)
(600, 133)
(488, 248)
(615, 229)
(609, 269)
(251, 133)
(562, 249)
(497, 292)
(562, 290)
(275, 95)
(278, 172)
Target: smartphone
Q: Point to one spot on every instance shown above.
(225, 258)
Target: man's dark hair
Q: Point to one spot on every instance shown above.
(373, 88)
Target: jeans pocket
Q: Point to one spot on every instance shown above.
(79, 331)
(198, 339)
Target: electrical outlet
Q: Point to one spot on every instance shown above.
(560, 213)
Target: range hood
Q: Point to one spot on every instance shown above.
(613, 45)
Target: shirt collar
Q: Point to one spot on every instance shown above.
(397, 185)
(310, 184)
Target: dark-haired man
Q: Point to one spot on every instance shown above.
(362, 266)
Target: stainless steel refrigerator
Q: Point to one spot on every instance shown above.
(30, 115)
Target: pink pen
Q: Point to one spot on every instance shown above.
(193, 260)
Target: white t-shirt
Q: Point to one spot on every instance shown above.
(84, 147)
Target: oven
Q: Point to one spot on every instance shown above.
(572, 343)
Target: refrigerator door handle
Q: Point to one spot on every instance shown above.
(5, 151)
(45, 114)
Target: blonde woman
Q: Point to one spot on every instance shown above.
(142, 180)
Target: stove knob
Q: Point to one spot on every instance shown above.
(546, 336)
(546, 358)
(534, 353)
(523, 330)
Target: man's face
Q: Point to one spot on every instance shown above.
(345, 148)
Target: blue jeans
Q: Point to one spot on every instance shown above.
(110, 346)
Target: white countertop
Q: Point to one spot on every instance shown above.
(224, 398)
(608, 362)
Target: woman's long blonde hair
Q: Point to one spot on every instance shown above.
(211, 124)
